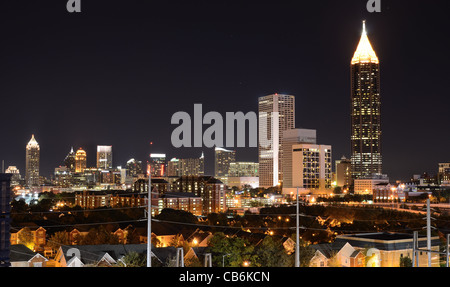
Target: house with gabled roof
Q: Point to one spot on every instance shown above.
(337, 254)
(22, 256)
(107, 255)
(195, 257)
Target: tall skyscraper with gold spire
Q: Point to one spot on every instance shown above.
(80, 160)
(366, 157)
(32, 158)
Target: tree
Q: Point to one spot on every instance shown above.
(271, 253)
(334, 260)
(133, 259)
(306, 252)
(405, 262)
(57, 239)
(169, 214)
(26, 237)
(237, 250)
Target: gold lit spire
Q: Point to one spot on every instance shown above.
(32, 143)
(364, 53)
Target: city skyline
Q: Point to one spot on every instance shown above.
(219, 64)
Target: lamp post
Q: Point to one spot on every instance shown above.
(223, 259)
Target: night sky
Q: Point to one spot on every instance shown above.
(117, 72)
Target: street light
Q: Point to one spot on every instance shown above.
(246, 263)
(223, 259)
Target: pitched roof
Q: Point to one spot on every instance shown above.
(364, 53)
(20, 252)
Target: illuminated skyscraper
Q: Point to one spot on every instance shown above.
(276, 114)
(158, 164)
(69, 161)
(365, 110)
(186, 166)
(223, 158)
(32, 163)
(80, 160)
(134, 167)
(104, 157)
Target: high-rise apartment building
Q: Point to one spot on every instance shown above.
(365, 110)
(211, 190)
(134, 167)
(291, 137)
(186, 166)
(276, 114)
(104, 157)
(32, 159)
(5, 218)
(343, 171)
(222, 160)
(80, 160)
(311, 166)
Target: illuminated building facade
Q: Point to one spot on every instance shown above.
(69, 161)
(344, 172)
(80, 160)
(444, 174)
(158, 164)
(134, 167)
(311, 166)
(186, 166)
(366, 185)
(32, 158)
(276, 114)
(291, 137)
(222, 160)
(15, 175)
(210, 189)
(104, 157)
(243, 169)
(365, 110)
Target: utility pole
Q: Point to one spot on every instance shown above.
(414, 250)
(149, 215)
(429, 231)
(447, 251)
(297, 245)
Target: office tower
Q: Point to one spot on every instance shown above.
(276, 114)
(311, 166)
(104, 157)
(243, 169)
(343, 172)
(5, 219)
(291, 137)
(63, 176)
(222, 161)
(32, 163)
(243, 174)
(15, 175)
(134, 167)
(186, 166)
(80, 160)
(158, 164)
(69, 161)
(365, 110)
